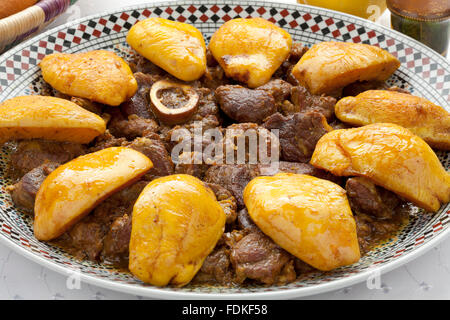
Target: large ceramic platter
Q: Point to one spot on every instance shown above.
(423, 72)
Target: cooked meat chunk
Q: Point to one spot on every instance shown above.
(378, 212)
(364, 196)
(298, 134)
(206, 105)
(87, 104)
(30, 154)
(249, 143)
(245, 105)
(132, 127)
(87, 239)
(279, 89)
(145, 66)
(371, 230)
(216, 267)
(106, 140)
(297, 51)
(258, 257)
(214, 77)
(303, 101)
(116, 242)
(226, 201)
(245, 222)
(358, 87)
(186, 134)
(210, 60)
(187, 165)
(139, 104)
(234, 178)
(302, 267)
(24, 192)
(284, 72)
(156, 151)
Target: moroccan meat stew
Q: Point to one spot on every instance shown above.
(252, 159)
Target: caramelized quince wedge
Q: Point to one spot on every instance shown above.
(422, 117)
(329, 66)
(98, 75)
(389, 155)
(250, 50)
(174, 46)
(307, 216)
(50, 118)
(176, 223)
(72, 190)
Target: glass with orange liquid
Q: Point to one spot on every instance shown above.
(368, 9)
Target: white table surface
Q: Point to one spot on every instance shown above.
(427, 277)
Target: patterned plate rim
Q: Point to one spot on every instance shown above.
(276, 294)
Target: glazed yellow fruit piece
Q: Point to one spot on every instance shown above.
(71, 191)
(97, 75)
(307, 216)
(174, 46)
(176, 223)
(250, 50)
(329, 66)
(422, 117)
(50, 118)
(389, 155)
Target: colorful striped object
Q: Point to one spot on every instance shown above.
(24, 24)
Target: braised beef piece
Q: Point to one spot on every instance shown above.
(245, 105)
(226, 201)
(131, 127)
(297, 51)
(234, 178)
(210, 60)
(139, 104)
(23, 193)
(142, 65)
(88, 105)
(245, 222)
(214, 77)
(257, 257)
(206, 105)
(364, 196)
(85, 239)
(30, 154)
(303, 101)
(358, 87)
(155, 150)
(236, 143)
(186, 134)
(187, 165)
(100, 235)
(279, 89)
(285, 70)
(116, 241)
(106, 140)
(302, 267)
(298, 133)
(216, 268)
(377, 211)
